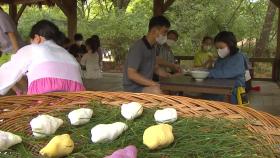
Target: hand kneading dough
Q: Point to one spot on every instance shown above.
(131, 110)
(44, 125)
(107, 132)
(80, 116)
(158, 136)
(59, 146)
(167, 115)
(8, 139)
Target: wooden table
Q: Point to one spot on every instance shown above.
(188, 84)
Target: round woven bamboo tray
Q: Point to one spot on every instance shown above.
(15, 112)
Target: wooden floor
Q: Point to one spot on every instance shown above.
(268, 99)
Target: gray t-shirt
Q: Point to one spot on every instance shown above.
(7, 25)
(141, 57)
(165, 53)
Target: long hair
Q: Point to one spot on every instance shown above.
(230, 40)
(92, 44)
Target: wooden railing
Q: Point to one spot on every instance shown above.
(275, 66)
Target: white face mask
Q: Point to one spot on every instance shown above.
(207, 48)
(223, 52)
(79, 43)
(161, 39)
(170, 42)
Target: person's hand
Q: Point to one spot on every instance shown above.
(209, 63)
(155, 84)
(18, 91)
(178, 74)
(177, 68)
(169, 75)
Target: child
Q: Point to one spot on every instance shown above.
(90, 61)
(48, 67)
(78, 42)
(78, 52)
(99, 50)
(204, 57)
(231, 63)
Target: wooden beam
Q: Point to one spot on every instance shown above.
(5, 1)
(14, 14)
(276, 2)
(21, 10)
(27, 1)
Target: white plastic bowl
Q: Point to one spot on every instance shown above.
(199, 75)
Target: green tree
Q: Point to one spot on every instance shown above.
(120, 22)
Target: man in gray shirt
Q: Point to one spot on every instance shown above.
(141, 59)
(10, 40)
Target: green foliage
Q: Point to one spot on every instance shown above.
(34, 14)
(194, 138)
(193, 19)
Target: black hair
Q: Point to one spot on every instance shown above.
(46, 29)
(82, 50)
(205, 38)
(92, 44)
(66, 43)
(159, 21)
(228, 38)
(76, 50)
(60, 39)
(97, 39)
(67, 40)
(78, 37)
(174, 32)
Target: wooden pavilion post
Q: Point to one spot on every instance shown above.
(15, 15)
(276, 65)
(19, 13)
(13, 11)
(72, 19)
(276, 2)
(276, 73)
(69, 8)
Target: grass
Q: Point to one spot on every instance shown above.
(194, 137)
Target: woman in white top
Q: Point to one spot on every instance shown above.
(48, 66)
(90, 61)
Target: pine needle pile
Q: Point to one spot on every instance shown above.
(194, 137)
